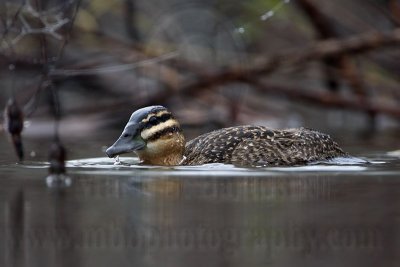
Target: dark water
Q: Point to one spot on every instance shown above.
(107, 215)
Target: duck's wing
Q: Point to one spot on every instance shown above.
(263, 152)
(260, 146)
(218, 146)
(288, 147)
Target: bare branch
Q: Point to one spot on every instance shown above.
(353, 45)
(325, 99)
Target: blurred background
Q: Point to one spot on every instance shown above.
(77, 69)
(329, 65)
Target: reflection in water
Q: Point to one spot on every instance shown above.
(136, 216)
(242, 189)
(14, 223)
(58, 180)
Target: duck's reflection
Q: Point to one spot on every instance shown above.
(235, 189)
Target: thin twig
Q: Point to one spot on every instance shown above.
(11, 24)
(114, 68)
(68, 35)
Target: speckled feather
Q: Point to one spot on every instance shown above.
(260, 146)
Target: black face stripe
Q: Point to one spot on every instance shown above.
(171, 129)
(155, 120)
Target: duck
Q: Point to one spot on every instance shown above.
(157, 138)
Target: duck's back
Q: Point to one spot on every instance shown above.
(260, 146)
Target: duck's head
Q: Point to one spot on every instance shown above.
(155, 136)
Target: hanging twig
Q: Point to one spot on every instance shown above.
(57, 157)
(14, 124)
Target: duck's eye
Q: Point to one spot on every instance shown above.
(126, 135)
(153, 120)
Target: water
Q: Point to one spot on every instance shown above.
(332, 214)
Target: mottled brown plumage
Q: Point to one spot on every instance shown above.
(157, 139)
(260, 146)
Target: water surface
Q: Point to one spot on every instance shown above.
(213, 215)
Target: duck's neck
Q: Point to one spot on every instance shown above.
(167, 150)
